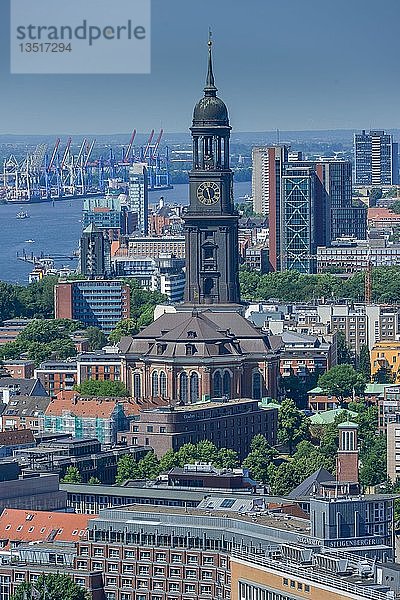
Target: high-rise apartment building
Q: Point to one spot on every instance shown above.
(376, 158)
(267, 169)
(139, 195)
(94, 252)
(95, 303)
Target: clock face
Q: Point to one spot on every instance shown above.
(208, 192)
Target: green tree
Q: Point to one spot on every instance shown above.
(292, 286)
(94, 481)
(123, 328)
(296, 388)
(395, 207)
(168, 461)
(97, 339)
(37, 299)
(46, 331)
(206, 451)
(149, 466)
(259, 458)
(42, 339)
(52, 586)
(143, 303)
(308, 458)
(375, 195)
(283, 478)
(9, 301)
(72, 475)
(103, 389)
(383, 375)
(127, 468)
(187, 454)
(373, 462)
(341, 381)
(293, 426)
(226, 459)
(364, 363)
(10, 350)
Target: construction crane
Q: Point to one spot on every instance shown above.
(129, 148)
(67, 174)
(146, 150)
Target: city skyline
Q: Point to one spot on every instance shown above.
(291, 67)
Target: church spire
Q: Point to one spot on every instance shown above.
(210, 89)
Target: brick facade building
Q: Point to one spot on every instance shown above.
(231, 424)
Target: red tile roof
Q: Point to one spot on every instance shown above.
(70, 402)
(39, 526)
(16, 437)
(378, 214)
(134, 407)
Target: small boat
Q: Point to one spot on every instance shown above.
(29, 241)
(22, 215)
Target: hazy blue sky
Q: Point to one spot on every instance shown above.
(287, 64)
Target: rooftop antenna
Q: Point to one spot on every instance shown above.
(277, 136)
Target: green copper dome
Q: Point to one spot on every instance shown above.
(210, 110)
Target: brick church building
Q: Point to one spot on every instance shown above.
(205, 349)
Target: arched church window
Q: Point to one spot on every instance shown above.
(217, 385)
(137, 385)
(154, 384)
(227, 384)
(163, 384)
(194, 387)
(257, 386)
(183, 387)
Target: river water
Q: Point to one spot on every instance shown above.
(55, 230)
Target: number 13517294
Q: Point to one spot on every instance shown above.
(45, 47)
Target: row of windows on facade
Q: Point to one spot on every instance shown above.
(189, 385)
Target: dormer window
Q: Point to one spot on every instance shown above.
(190, 349)
(192, 334)
(161, 349)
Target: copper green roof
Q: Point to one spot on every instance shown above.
(375, 389)
(328, 416)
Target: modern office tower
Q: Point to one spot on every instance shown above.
(304, 217)
(376, 158)
(267, 166)
(95, 303)
(310, 204)
(139, 195)
(94, 252)
(347, 219)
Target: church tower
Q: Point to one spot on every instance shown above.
(211, 222)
